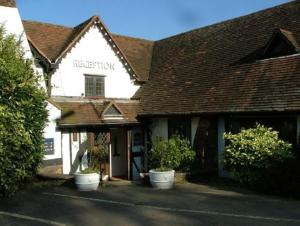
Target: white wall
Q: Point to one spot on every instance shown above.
(12, 22)
(11, 19)
(74, 149)
(51, 131)
(65, 144)
(68, 80)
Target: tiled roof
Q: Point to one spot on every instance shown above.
(8, 3)
(203, 71)
(53, 40)
(48, 38)
(90, 112)
(138, 52)
(215, 69)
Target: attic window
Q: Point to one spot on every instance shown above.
(282, 43)
(112, 112)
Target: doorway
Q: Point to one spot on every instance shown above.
(119, 153)
(206, 145)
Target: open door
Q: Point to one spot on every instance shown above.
(137, 153)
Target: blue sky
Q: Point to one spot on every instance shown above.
(149, 19)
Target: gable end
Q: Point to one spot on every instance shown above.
(282, 43)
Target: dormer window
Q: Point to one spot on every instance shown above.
(282, 43)
(94, 86)
(112, 112)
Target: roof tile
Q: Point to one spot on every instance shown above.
(201, 71)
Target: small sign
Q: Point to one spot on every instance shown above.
(49, 146)
(106, 66)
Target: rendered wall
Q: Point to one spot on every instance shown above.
(92, 55)
(10, 18)
(51, 132)
(73, 151)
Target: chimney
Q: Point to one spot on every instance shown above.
(8, 3)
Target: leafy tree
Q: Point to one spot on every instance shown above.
(23, 116)
(250, 153)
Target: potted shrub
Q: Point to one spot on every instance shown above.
(89, 178)
(165, 157)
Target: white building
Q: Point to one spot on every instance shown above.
(90, 85)
(123, 92)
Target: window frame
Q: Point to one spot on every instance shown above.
(94, 85)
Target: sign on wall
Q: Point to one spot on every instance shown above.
(49, 146)
(90, 64)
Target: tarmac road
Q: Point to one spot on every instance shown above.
(122, 203)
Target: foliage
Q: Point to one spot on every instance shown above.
(97, 155)
(251, 152)
(22, 116)
(170, 154)
(89, 170)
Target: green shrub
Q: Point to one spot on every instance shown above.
(250, 153)
(98, 156)
(173, 153)
(22, 116)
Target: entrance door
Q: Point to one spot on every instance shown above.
(137, 155)
(119, 159)
(206, 145)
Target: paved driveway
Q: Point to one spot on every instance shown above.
(127, 204)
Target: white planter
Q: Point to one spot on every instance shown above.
(87, 182)
(162, 180)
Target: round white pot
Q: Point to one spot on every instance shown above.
(162, 180)
(87, 182)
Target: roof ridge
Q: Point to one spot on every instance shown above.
(94, 17)
(230, 20)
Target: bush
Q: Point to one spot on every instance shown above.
(98, 156)
(252, 152)
(175, 153)
(22, 116)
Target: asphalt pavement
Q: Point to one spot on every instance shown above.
(124, 203)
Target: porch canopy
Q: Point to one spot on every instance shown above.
(106, 113)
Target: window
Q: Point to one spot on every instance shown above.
(94, 85)
(112, 111)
